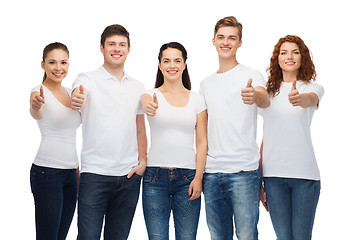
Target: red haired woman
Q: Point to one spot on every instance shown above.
(290, 171)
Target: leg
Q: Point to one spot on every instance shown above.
(121, 207)
(305, 196)
(218, 209)
(243, 190)
(46, 184)
(94, 192)
(185, 212)
(156, 204)
(278, 195)
(69, 202)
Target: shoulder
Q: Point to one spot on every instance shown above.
(310, 87)
(36, 88)
(207, 80)
(136, 82)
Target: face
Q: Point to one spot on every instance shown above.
(290, 57)
(115, 50)
(227, 42)
(172, 64)
(56, 65)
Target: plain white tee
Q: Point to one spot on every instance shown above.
(232, 125)
(58, 129)
(287, 145)
(109, 122)
(172, 132)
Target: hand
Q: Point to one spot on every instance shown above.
(248, 93)
(138, 169)
(152, 106)
(294, 97)
(195, 189)
(78, 99)
(263, 198)
(38, 100)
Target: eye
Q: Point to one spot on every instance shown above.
(51, 62)
(283, 53)
(296, 52)
(64, 62)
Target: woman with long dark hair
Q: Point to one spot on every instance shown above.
(290, 171)
(53, 175)
(173, 179)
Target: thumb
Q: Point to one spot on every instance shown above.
(81, 89)
(155, 99)
(294, 85)
(41, 91)
(249, 83)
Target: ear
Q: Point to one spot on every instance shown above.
(159, 66)
(101, 49)
(214, 41)
(240, 44)
(42, 65)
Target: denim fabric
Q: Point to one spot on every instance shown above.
(232, 197)
(114, 197)
(55, 195)
(292, 204)
(164, 191)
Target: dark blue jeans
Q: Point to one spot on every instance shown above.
(165, 190)
(55, 195)
(112, 197)
(292, 204)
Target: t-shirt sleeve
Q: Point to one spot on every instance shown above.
(36, 89)
(201, 106)
(82, 79)
(140, 108)
(258, 79)
(315, 88)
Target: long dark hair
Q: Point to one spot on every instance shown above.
(186, 81)
(53, 46)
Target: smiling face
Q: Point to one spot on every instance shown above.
(172, 64)
(290, 57)
(226, 42)
(56, 65)
(115, 50)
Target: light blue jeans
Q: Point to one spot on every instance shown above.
(292, 204)
(165, 190)
(232, 197)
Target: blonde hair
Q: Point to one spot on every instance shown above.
(230, 21)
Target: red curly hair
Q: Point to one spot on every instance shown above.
(306, 72)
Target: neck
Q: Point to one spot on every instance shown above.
(52, 85)
(172, 86)
(226, 64)
(289, 76)
(116, 71)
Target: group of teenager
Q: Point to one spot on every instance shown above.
(200, 142)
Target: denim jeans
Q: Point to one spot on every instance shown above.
(112, 197)
(55, 195)
(292, 204)
(232, 197)
(165, 190)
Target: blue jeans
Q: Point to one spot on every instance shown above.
(292, 204)
(55, 195)
(114, 197)
(165, 190)
(232, 197)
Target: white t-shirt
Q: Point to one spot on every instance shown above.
(58, 129)
(232, 125)
(287, 145)
(109, 122)
(172, 132)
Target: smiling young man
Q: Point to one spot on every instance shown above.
(232, 178)
(113, 157)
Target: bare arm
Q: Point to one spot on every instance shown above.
(196, 185)
(142, 147)
(304, 100)
(257, 95)
(36, 102)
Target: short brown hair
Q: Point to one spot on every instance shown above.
(229, 22)
(114, 29)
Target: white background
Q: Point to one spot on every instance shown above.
(28, 26)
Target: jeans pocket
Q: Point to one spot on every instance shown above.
(150, 176)
(189, 175)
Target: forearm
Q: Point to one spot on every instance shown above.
(201, 157)
(262, 99)
(309, 100)
(36, 114)
(142, 139)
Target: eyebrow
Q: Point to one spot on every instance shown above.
(284, 50)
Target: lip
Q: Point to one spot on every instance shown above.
(172, 72)
(225, 48)
(116, 56)
(290, 63)
(58, 74)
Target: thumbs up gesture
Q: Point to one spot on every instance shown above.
(248, 93)
(293, 96)
(38, 100)
(78, 98)
(150, 105)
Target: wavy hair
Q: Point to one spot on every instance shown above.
(306, 72)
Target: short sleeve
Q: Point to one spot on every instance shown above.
(200, 106)
(258, 79)
(82, 79)
(36, 89)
